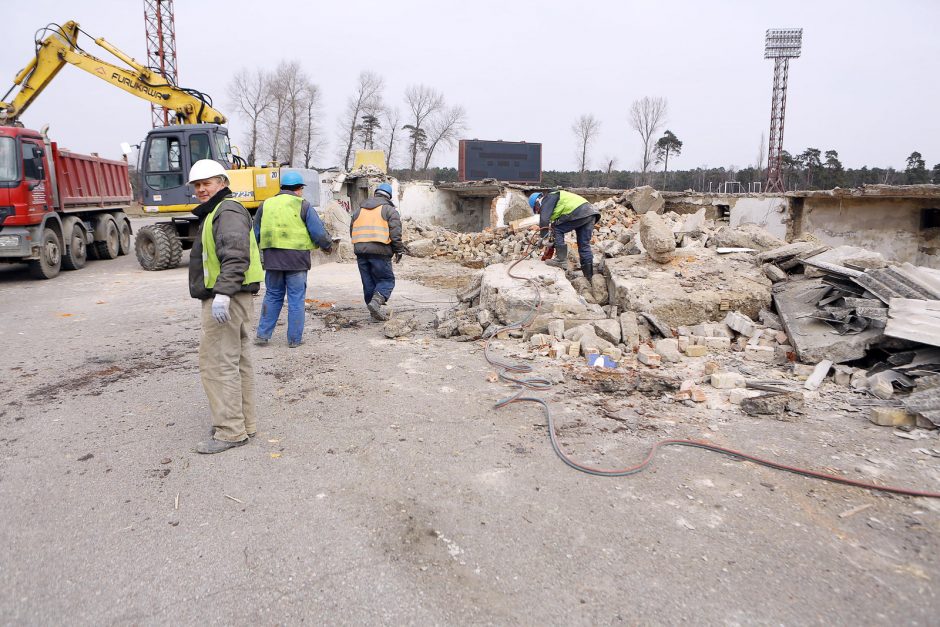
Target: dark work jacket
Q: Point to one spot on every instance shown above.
(231, 228)
(390, 215)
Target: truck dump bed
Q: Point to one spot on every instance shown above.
(88, 181)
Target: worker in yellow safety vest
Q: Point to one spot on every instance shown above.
(224, 271)
(376, 237)
(287, 228)
(563, 212)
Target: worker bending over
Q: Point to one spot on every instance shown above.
(563, 212)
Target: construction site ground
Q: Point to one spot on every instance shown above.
(384, 488)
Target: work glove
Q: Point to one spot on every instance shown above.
(397, 257)
(220, 308)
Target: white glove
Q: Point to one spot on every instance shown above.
(220, 308)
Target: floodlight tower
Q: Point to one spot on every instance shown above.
(782, 44)
(161, 49)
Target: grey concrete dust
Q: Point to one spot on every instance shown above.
(383, 487)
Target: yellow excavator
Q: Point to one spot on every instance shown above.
(166, 154)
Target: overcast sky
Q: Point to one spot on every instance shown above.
(865, 86)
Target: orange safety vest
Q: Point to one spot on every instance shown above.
(371, 227)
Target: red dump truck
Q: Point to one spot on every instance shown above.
(59, 208)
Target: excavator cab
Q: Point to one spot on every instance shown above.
(166, 158)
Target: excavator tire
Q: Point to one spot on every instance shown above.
(158, 247)
(124, 230)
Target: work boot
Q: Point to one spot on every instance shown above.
(261, 341)
(217, 446)
(375, 308)
(588, 269)
(560, 260)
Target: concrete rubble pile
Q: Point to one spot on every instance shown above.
(669, 289)
(849, 305)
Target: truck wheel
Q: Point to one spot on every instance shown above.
(50, 257)
(111, 246)
(157, 247)
(176, 244)
(77, 254)
(124, 231)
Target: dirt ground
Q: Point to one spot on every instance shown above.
(384, 488)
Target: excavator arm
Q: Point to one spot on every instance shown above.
(61, 47)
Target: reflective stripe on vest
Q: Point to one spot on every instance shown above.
(567, 202)
(370, 226)
(211, 267)
(281, 224)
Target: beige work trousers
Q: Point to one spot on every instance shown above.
(225, 366)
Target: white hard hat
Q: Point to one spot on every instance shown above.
(206, 169)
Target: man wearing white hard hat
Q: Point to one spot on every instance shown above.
(224, 272)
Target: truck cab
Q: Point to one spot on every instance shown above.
(25, 189)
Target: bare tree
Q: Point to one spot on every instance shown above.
(585, 131)
(610, 163)
(368, 96)
(761, 154)
(443, 130)
(422, 102)
(250, 95)
(314, 141)
(647, 116)
(392, 117)
(287, 120)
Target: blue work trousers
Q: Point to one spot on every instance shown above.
(377, 275)
(277, 283)
(583, 229)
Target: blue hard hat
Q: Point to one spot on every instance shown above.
(385, 189)
(292, 179)
(533, 198)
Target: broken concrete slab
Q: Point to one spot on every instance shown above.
(891, 417)
(422, 247)
(608, 329)
(774, 273)
(812, 339)
(849, 256)
(788, 251)
(512, 300)
(668, 349)
(629, 330)
(708, 286)
(745, 236)
(780, 405)
(644, 200)
(657, 238)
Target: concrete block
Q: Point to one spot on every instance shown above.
(608, 329)
(683, 341)
(648, 357)
(574, 349)
(764, 354)
(539, 340)
(803, 371)
(711, 367)
(556, 328)
(695, 350)
(843, 375)
(774, 273)
(820, 372)
(558, 350)
(718, 343)
(891, 417)
(740, 323)
(614, 353)
(881, 388)
(668, 349)
(727, 380)
(859, 380)
(629, 330)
